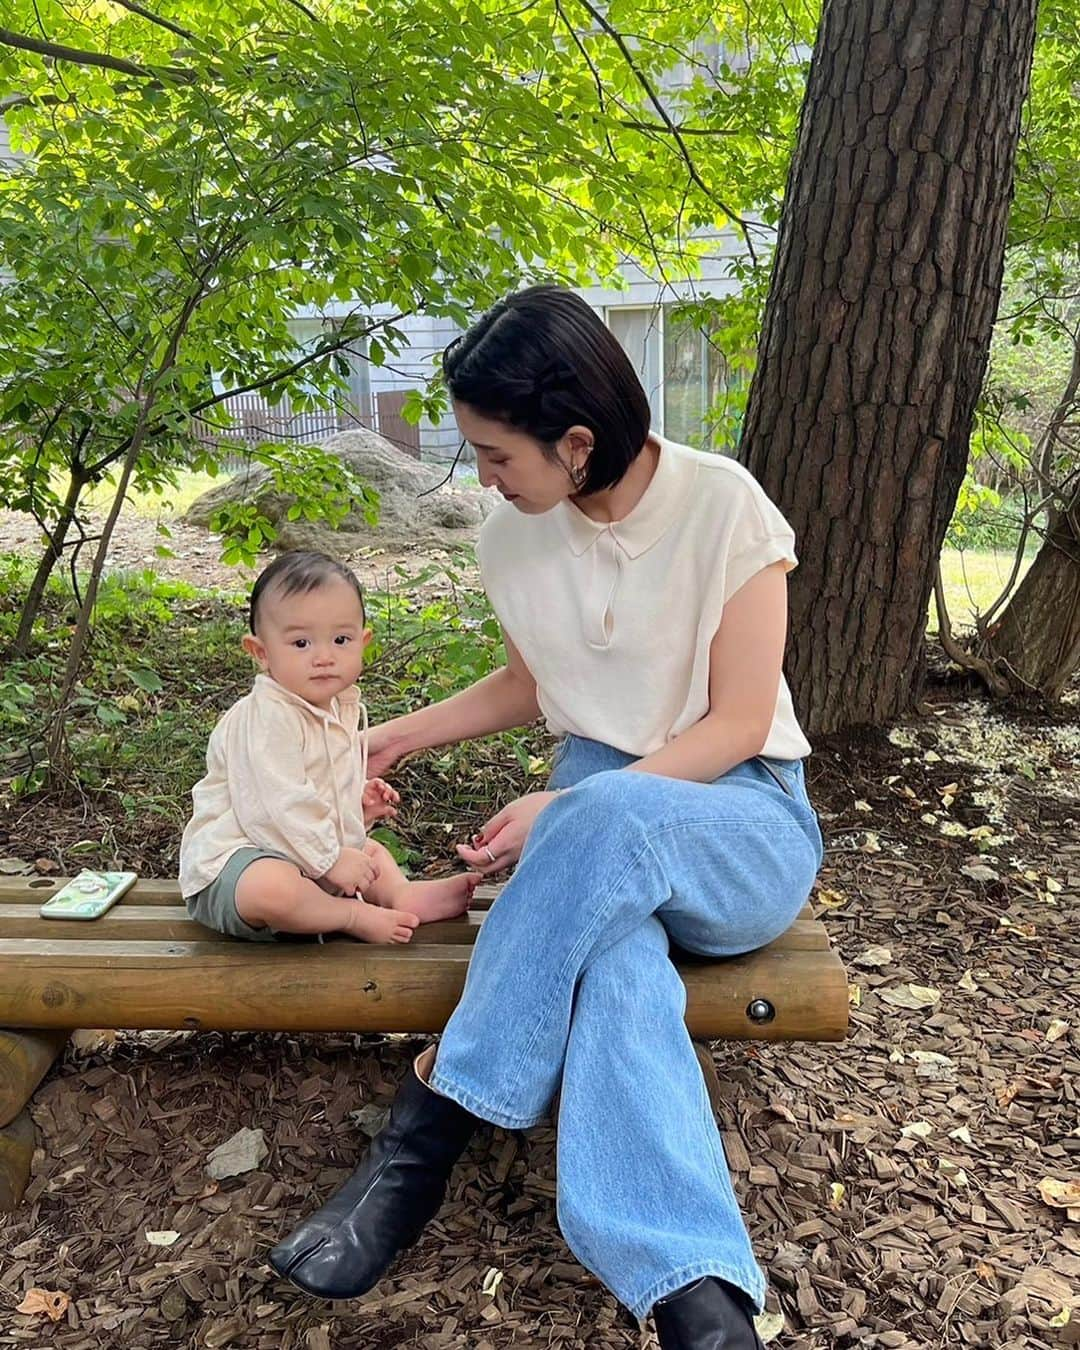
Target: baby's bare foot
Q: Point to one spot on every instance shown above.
(447, 898)
(369, 923)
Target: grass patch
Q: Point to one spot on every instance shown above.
(973, 579)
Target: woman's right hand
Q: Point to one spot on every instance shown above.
(384, 748)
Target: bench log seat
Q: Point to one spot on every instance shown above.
(147, 966)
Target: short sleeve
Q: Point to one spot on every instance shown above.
(760, 536)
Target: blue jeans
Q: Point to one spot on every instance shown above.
(570, 985)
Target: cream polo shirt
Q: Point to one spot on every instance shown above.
(615, 621)
(283, 775)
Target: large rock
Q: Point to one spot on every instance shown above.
(448, 515)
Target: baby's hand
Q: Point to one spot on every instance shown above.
(354, 870)
(380, 801)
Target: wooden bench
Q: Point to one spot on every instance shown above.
(147, 966)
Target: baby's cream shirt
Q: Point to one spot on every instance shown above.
(615, 621)
(283, 775)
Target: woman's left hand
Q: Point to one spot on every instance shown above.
(499, 843)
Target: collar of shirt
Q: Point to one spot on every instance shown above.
(349, 712)
(649, 520)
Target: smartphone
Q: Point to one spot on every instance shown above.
(88, 895)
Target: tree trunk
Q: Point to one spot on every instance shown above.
(877, 327)
(1036, 642)
(49, 559)
(56, 738)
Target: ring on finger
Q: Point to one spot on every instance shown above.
(491, 856)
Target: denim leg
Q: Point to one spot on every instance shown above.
(570, 983)
(644, 1195)
(725, 866)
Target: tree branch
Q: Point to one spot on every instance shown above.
(78, 57)
(158, 19)
(299, 4)
(342, 340)
(952, 649)
(600, 18)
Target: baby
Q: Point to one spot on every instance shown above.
(277, 840)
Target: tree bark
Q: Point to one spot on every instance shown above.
(1036, 642)
(877, 327)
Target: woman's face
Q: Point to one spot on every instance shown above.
(515, 464)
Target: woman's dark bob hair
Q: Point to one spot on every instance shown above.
(543, 362)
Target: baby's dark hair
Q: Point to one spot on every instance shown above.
(297, 571)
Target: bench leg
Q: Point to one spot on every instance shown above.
(708, 1072)
(16, 1154)
(25, 1059)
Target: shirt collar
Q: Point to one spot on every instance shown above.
(349, 708)
(653, 514)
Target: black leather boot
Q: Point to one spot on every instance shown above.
(709, 1314)
(342, 1250)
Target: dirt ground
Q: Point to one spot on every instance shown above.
(196, 553)
(896, 1186)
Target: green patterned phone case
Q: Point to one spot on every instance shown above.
(88, 895)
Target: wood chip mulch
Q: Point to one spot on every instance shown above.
(891, 1184)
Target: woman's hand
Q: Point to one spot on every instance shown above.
(384, 748)
(499, 843)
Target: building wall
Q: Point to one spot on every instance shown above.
(428, 336)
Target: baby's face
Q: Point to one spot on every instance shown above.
(312, 642)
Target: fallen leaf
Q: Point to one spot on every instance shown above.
(162, 1238)
(15, 867)
(929, 1064)
(242, 1152)
(1006, 1094)
(913, 996)
(836, 1194)
(871, 843)
(863, 806)
(52, 1302)
(89, 1040)
(831, 899)
(1054, 887)
(967, 983)
(370, 1118)
(953, 1171)
(1062, 1318)
(963, 1134)
(918, 1129)
(932, 757)
(854, 995)
(46, 865)
(1056, 1029)
(874, 956)
(1059, 1194)
(492, 1280)
(979, 872)
(769, 1325)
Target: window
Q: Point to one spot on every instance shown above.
(309, 333)
(683, 372)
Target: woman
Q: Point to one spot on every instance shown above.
(641, 588)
